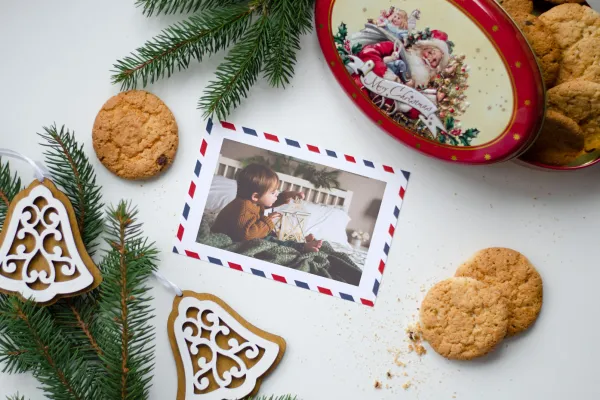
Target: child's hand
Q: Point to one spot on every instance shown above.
(274, 216)
(289, 195)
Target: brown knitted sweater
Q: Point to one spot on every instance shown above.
(242, 220)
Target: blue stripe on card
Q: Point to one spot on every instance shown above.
(369, 163)
(386, 249)
(186, 211)
(376, 287)
(215, 261)
(346, 296)
(406, 174)
(292, 143)
(331, 153)
(250, 131)
(396, 212)
(175, 250)
(209, 126)
(198, 168)
(302, 284)
(257, 272)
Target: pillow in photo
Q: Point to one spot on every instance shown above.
(327, 223)
(222, 192)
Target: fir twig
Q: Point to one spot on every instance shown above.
(290, 20)
(174, 47)
(127, 335)
(59, 369)
(16, 397)
(10, 185)
(238, 72)
(155, 7)
(73, 172)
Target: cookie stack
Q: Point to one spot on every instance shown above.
(497, 293)
(566, 41)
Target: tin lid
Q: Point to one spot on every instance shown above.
(453, 79)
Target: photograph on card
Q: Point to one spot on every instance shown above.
(291, 212)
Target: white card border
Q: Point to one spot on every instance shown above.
(207, 157)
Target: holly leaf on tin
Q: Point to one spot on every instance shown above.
(356, 48)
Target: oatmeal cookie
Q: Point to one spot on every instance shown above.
(571, 22)
(544, 47)
(582, 60)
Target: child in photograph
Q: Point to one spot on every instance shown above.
(244, 217)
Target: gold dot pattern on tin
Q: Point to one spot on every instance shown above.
(135, 135)
(463, 318)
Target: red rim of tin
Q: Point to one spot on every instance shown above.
(558, 167)
(520, 63)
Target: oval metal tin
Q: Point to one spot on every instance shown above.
(453, 79)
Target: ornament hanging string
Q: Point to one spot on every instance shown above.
(39, 169)
(167, 283)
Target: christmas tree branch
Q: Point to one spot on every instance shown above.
(238, 72)
(10, 185)
(290, 20)
(73, 173)
(203, 34)
(45, 350)
(15, 397)
(155, 7)
(125, 312)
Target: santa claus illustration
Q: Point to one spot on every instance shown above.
(414, 67)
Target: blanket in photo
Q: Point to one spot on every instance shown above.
(327, 262)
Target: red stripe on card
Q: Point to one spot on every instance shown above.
(350, 158)
(228, 125)
(388, 169)
(402, 191)
(391, 230)
(279, 278)
(274, 138)
(324, 290)
(312, 148)
(180, 232)
(367, 302)
(192, 189)
(203, 147)
(235, 266)
(192, 254)
(381, 266)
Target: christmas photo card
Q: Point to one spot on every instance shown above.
(301, 214)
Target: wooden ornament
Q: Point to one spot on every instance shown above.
(219, 355)
(42, 256)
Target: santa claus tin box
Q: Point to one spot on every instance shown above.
(453, 79)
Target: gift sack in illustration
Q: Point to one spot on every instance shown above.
(42, 256)
(219, 355)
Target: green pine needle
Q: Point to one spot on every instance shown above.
(10, 185)
(15, 397)
(238, 72)
(73, 173)
(290, 20)
(200, 35)
(156, 7)
(62, 373)
(125, 334)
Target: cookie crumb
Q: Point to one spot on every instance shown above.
(389, 375)
(377, 385)
(406, 385)
(415, 335)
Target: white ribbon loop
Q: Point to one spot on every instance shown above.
(39, 169)
(167, 283)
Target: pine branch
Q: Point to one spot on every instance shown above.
(238, 72)
(126, 333)
(10, 185)
(16, 397)
(174, 47)
(74, 174)
(289, 20)
(59, 369)
(156, 7)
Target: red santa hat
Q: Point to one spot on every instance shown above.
(438, 40)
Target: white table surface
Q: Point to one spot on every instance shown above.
(56, 61)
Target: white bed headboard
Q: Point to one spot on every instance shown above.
(228, 167)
